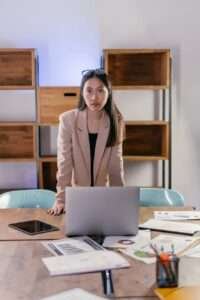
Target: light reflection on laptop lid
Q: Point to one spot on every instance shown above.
(101, 210)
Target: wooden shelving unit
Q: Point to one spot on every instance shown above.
(144, 69)
(128, 69)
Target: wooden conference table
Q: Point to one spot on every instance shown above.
(23, 275)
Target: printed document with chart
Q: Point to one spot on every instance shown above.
(70, 246)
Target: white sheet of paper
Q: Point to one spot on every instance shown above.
(123, 242)
(177, 215)
(171, 226)
(91, 261)
(74, 294)
(189, 271)
(193, 252)
(138, 254)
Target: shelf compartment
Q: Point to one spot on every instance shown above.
(52, 101)
(146, 140)
(23, 102)
(18, 175)
(17, 141)
(47, 140)
(48, 169)
(138, 68)
(17, 68)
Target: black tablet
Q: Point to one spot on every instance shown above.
(33, 227)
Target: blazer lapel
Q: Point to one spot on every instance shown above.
(104, 127)
(83, 139)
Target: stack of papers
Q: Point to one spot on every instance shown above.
(91, 261)
(75, 294)
(175, 227)
(177, 215)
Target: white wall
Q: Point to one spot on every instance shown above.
(70, 35)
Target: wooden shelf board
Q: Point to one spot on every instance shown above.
(140, 87)
(145, 158)
(17, 87)
(146, 123)
(47, 159)
(17, 49)
(17, 160)
(135, 51)
(54, 124)
(18, 123)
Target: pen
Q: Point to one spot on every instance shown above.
(93, 244)
(154, 249)
(56, 250)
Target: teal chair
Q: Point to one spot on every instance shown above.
(34, 198)
(160, 197)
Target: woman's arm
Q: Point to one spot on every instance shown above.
(116, 167)
(64, 162)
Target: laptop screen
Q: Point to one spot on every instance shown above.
(101, 210)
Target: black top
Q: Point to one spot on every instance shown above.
(92, 140)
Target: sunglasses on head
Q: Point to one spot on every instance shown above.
(99, 71)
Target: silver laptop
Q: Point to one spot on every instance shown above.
(101, 210)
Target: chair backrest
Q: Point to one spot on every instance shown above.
(160, 197)
(27, 199)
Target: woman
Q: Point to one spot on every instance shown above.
(90, 140)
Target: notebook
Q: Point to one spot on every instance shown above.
(171, 226)
(101, 211)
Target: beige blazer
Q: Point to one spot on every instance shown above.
(73, 160)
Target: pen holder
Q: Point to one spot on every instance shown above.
(167, 270)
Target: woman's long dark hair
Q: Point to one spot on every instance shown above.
(110, 107)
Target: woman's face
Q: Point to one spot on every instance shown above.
(95, 94)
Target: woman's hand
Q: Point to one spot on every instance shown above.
(57, 209)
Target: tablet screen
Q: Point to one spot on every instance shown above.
(33, 227)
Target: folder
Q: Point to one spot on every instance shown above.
(184, 293)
